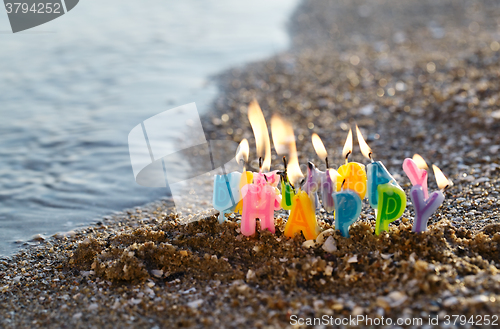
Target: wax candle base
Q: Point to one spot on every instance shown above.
(377, 175)
(287, 195)
(226, 193)
(302, 218)
(391, 205)
(424, 208)
(259, 201)
(347, 210)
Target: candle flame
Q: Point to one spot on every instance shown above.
(348, 145)
(284, 143)
(420, 162)
(334, 175)
(441, 179)
(293, 171)
(365, 149)
(259, 127)
(242, 151)
(282, 133)
(319, 147)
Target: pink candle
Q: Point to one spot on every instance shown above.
(260, 200)
(416, 175)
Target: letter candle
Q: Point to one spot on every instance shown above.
(247, 176)
(384, 194)
(284, 143)
(352, 174)
(424, 207)
(348, 201)
(311, 185)
(226, 193)
(287, 190)
(328, 178)
(262, 197)
(302, 214)
(416, 171)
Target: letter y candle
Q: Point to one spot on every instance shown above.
(424, 206)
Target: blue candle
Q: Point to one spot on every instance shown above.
(347, 210)
(377, 175)
(226, 193)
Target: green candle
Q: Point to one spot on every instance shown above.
(287, 193)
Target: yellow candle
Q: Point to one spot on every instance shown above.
(353, 176)
(302, 217)
(246, 178)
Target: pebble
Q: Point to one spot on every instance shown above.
(330, 245)
(353, 259)
(196, 303)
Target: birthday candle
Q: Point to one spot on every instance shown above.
(352, 186)
(416, 171)
(302, 217)
(226, 193)
(384, 194)
(311, 185)
(287, 191)
(352, 175)
(347, 210)
(284, 143)
(392, 204)
(424, 206)
(260, 200)
(247, 176)
(328, 178)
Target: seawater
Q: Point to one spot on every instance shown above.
(72, 89)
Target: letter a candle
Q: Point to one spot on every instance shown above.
(384, 194)
(302, 213)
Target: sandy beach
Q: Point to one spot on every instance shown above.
(417, 77)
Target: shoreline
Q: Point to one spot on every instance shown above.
(141, 267)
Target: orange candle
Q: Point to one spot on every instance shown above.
(302, 217)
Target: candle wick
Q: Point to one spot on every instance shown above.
(347, 157)
(342, 186)
(327, 165)
(260, 164)
(370, 156)
(244, 164)
(285, 164)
